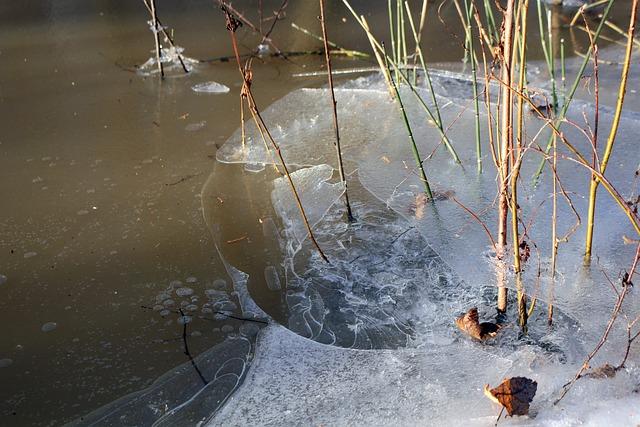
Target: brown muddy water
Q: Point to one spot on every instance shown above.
(102, 173)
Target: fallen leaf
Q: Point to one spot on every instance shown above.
(515, 394)
(469, 324)
(604, 371)
(385, 159)
(419, 205)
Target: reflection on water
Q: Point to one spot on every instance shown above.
(102, 229)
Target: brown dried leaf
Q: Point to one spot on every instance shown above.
(469, 324)
(515, 394)
(604, 371)
(420, 204)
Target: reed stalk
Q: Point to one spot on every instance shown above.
(363, 23)
(423, 18)
(491, 22)
(399, 57)
(337, 50)
(518, 151)
(613, 131)
(506, 141)
(554, 231)
(327, 57)
(383, 69)
(427, 75)
(563, 74)
(403, 34)
(232, 26)
(414, 147)
(166, 35)
(584, 8)
(156, 36)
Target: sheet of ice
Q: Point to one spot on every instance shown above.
(294, 381)
(210, 87)
(389, 174)
(180, 397)
(248, 306)
(376, 145)
(398, 278)
(316, 194)
(291, 131)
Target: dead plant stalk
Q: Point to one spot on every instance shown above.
(336, 128)
(506, 140)
(232, 25)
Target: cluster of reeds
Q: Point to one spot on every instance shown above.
(502, 47)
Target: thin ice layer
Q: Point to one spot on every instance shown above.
(316, 194)
(376, 144)
(181, 394)
(384, 286)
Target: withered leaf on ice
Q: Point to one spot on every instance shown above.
(469, 324)
(515, 394)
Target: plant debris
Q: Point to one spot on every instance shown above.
(514, 394)
(469, 324)
(601, 372)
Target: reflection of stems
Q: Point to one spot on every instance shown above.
(414, 147)
(612, 133)
(188, 353)
(335, 113)
(337, 49)
(232, 26)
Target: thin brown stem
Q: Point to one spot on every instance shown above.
(232, 26)
(156, 36)
(336, 128)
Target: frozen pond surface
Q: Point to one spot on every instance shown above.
(370, 338)
(386, 287)
(110, 277)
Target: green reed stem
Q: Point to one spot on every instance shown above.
(416, 37)
(363, 23)
(414, 147)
